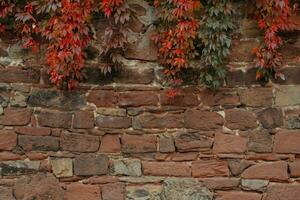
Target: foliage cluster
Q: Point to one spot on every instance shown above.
(186, 30)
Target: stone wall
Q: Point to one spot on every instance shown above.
(121, 137)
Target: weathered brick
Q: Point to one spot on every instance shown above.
(62, 167)
(260, 141)
(256, 97)
(35, 131)
(294, 168)
(113, 122)
(6, 193)
(81, 191)
(240, 119)
(8, 156)
(19, 167)
(287, 95)
(291, 74)
(79, 142)
(17, 75)
(138, 144)
(91, 164)
(238, 166)
(83, 119)
(287, 142)
(129, 167)
(38, 143)
(254, 184)
(209, 168)
(238, 195)
(103, 98)
(166, 169)
(166, 145)
(165, 120)
(110, 144)
(185, 98)
(283, 192)
(271, 118)
(55, 119)
(221, 183)
(138, 98)
(220, 97)
(276, 171)
(63, 100)
(8, 140)
(16, 117)
(225, 143)
(203, 120)
(113, 191)
(186, 142)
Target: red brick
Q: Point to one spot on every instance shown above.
(185, 98)
(186, 142)
(110, 144)
(257, 97)
(79, 142)
(166, 145)
(81, 191)
(8, 140)
(55, 119)
(271, 118)
(166, 169)
(283, 192)
(113, 122)
(138, 98)
(17, 75)
(7, 156)
(238, 195)
(238, 166)
(33, 131)
(16, 117)
(38, 143)
(221, 183)
(224, 98)
(275, 171)
(91, 164)
(209, 168)
(203, 120)
(138, 144)
(185, 156)
(287, 142)
(113, 191)
(103, 98)
(295, 168)
(83, 119)
(165, 120)
(225, 143)
(240, 119)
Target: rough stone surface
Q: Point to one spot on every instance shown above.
(8, 140)
(184, 189)
(62, 167)
(6, 193)
(271, 118)
(240, 119)
(16, 117)
(238, 195)
(253, 184)
(113, 122)
(166, 169)
(113, 191)
(229, 144)
(79, 142)
(221, 183)
(283, 192)
(38, 143)
(55, 119)
(238, 166)
(19, 167)
(39, 186)
(186, 142)
(151, 192)
(203, 120)
(129, 167)
(257, 97)
(83, 120)
(90, 164)
(260, 141)
(209, 168)
(276, 171)
(138, 144)
(82, 192)
(287, 142)
(166, 120)
(294, 168)
(110, 144)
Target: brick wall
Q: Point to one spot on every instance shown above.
(121, 137)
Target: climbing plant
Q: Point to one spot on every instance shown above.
(186, 29)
